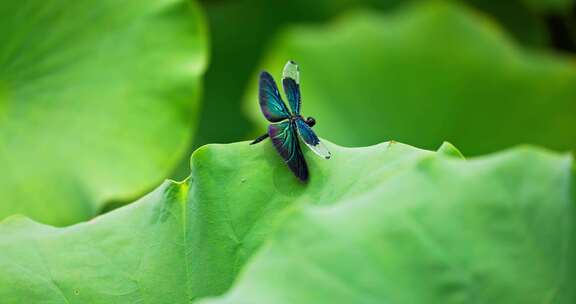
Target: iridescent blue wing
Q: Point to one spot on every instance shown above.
(271, 104)
(310, 139)
(285, 140)
(291, 83)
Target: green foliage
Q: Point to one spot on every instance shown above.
(491, 230)
(372, 224)
(241, 30)
(97, 100)
(425, 74)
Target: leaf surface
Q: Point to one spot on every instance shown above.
(371, 224)
(97, 101)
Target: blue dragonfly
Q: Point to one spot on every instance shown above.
(286, 126)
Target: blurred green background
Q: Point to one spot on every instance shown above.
(485, 75)
(442, 52)
(100, 101)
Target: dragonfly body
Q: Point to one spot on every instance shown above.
(286, 126)
(310, 121)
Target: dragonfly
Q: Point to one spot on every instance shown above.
(287, 126)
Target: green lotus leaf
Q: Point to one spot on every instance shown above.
(97, 100)
(425, 73)
(496, 229)
(371, 224)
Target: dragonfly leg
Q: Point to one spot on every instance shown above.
(259, 139)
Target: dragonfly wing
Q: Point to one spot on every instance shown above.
(285, 140)
(311, 140)
(291, 83)
(271, 104)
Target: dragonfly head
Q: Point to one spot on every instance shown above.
(310, 121)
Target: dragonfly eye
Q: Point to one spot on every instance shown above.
(310, 121)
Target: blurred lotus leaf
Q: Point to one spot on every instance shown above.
(96, 101)
(372, 224)
(233, 60)
(426, 73)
